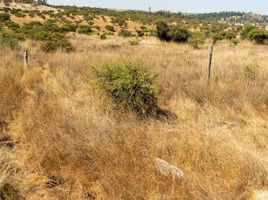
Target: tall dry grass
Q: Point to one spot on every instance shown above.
(63, 139)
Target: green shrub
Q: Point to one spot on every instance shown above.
(88, 17)
(216, 37)
(4, 17)
(31, 14)
(51, 46)
(196, 39)
(246, 30)
(140, 33)
(230, 35)
(258, 35)
(69, 27)
(103, 37)
(235, 41)
(162, 31)
(179, 34)
(47, 36)
(109, 28)
(84, 29)
(120, 21)
(12, 25)
(130, 85)
(125, 33)
(19, 14)
(8, 39)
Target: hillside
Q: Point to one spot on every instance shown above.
(234, 18)
(103, 112)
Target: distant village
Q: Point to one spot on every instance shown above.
(247, 18)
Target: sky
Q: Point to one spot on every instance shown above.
(188, 6)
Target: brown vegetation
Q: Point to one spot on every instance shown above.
(69, 141)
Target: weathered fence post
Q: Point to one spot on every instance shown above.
(25, 59)
(210, 52)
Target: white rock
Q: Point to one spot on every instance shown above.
(167, 169)
(260, 195)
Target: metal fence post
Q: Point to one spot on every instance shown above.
(25, 59)
(210, 52)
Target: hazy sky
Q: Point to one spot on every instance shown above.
(258, 6)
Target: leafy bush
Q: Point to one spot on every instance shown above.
(130, 85)
(51, 46)
(120, 21)
(84, 30)
(69, 27)
(47, 36)
(179, 34)
(196, 39)
(216, 37)
(8, 40)
(230, 35)
(140, 33)
(103, 37)
(246, 30)
(168, 33)
(88, 17)
(258, 35)
(4, 17)
(162, 31)
(109, 28)
(12, 25)
(125, 33)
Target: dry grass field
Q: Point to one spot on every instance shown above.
(62, 138)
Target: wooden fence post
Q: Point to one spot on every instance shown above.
(25, 59)
(210, 52)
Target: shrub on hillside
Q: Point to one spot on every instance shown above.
(88, 17)
(216, 37)
(125, 33)
(162, 31)
(103, 37)
(109, 28)
(140, 33)
(47, 36)
(8, 39)
(230, 35)
(12, 25)
(258, 35)
(246, 30)
(131, 85)
(84, 29)
(52, 46)
(179, 34)
(69, 27)
(120, 21)
(4, 17)
(196, 39)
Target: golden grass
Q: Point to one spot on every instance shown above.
(70, 142)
